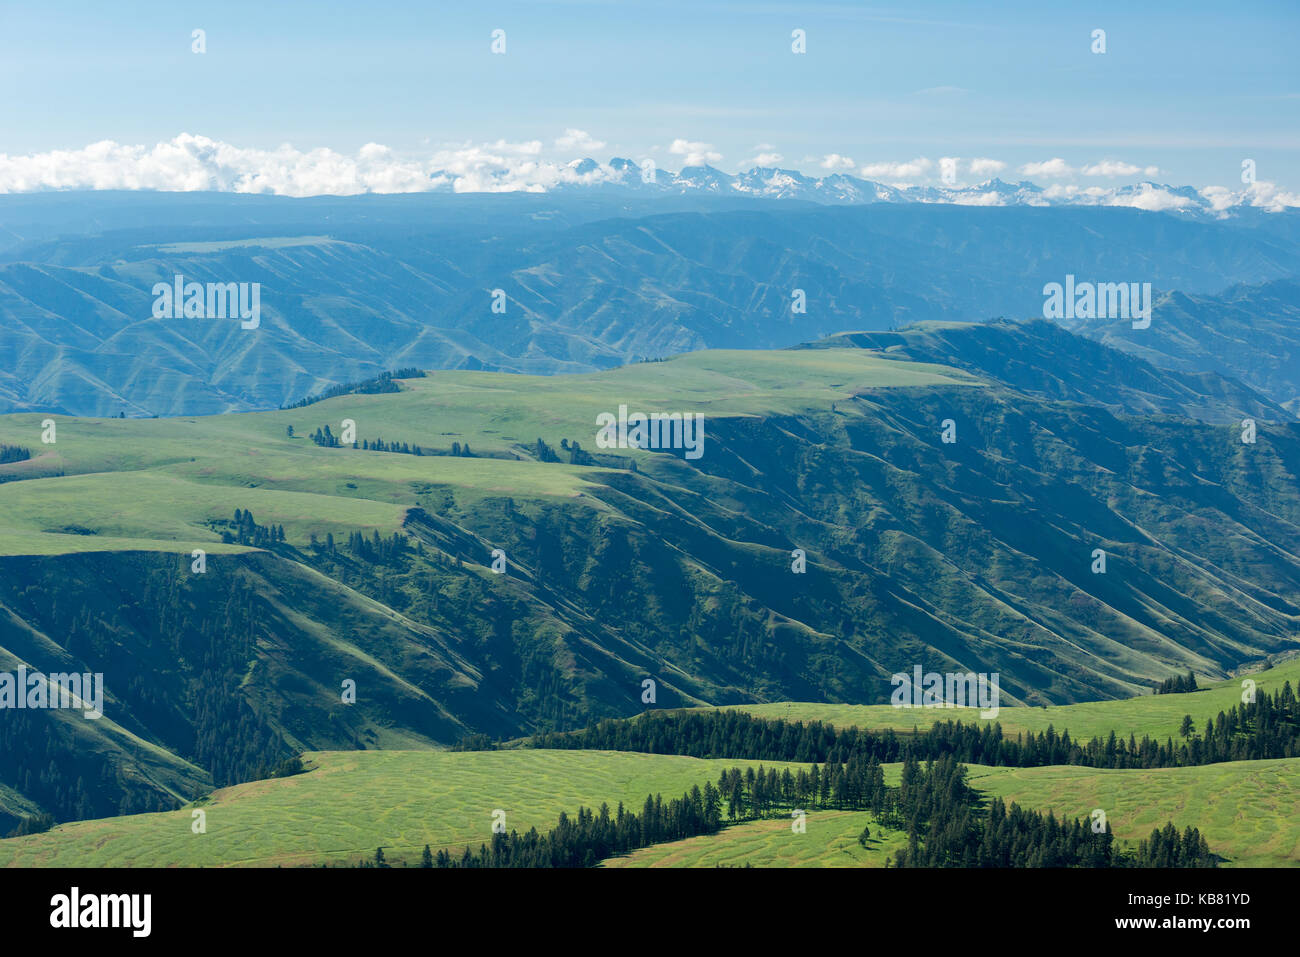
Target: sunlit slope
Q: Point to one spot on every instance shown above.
(354, 802)
(971, 555)
(1246, 809)
(1156, 715)
(830, 839)
(163, 479)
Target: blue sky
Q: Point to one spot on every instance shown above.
(1189, 88)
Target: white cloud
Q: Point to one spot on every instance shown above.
(1055, 168)
(978, 199)
(578, 141)
(1264, 195)
(1219, 197)
(1059, 191)
(500, 167)
(1151, 199)
(766, 159)
(836, 161)
(898, 171)
(1113, 168)
(982, 166)
(1143, 197)
(190, 162)
(697, 154)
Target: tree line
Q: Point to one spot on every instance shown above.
(1268, 727)
(577, 455)
(324, 437)
(376, 549)
(947, 828)
(1179, 684)
(593, 836)
(381, 383)
(244, 530)
(13, 453)
(379, 445)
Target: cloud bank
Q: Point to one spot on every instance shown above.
(191, 162)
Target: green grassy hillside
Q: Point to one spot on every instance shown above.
(1156, 715)
(1245, 809)
(964, 556)
(830, 840)
(163, 479)
(353, 802)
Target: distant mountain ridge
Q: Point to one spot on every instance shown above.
(1025, 356)
(1251, 333)
(354, 286)
(771, 182)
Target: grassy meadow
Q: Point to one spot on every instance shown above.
(1246, 809)
(351, 802)
(159, 481)
(354, 801)
(830, 840)
(1155, 715)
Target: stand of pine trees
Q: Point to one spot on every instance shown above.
(857, 785)
(1167, 848)
(544, 452)
(1179, 684)
(327, 439)
(13, 453)
(1268, 727)
(376, 550)
(946, 828)
(592, 836)
(382, 383)
(379, 445)
(244, 530)
(577, 455)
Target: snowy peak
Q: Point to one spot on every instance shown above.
(771, 182)
(845, 189)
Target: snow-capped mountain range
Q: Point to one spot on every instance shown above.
(845, 189)
(195, 163)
